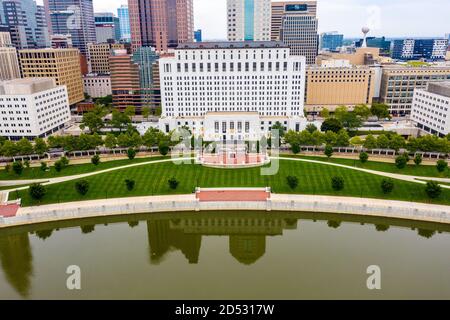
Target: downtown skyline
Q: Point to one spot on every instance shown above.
(344, 16)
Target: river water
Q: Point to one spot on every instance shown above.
(226, 255)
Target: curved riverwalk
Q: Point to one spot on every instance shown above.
(191, 203)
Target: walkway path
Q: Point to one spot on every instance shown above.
(408, 178)
(189, 203)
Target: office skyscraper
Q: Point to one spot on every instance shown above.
(295, 24)
(26, 22)
(75, 17)
(107, 27)
(248, 20)
(330, 41)
(161, 24)
(124, 20)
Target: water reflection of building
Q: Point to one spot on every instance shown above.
(247, 235)
(16, 260)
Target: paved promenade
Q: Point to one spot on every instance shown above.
(189, 203)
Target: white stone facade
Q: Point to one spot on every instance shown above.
(204, 81)
(32, 108)
(431, 109)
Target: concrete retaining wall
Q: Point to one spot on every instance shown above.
(188, 203)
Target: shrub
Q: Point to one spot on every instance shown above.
(64, 161)
(295, 148)
(401, 162)
(328, 151)
(292, 182)
(37, 191)
(82, 187)
(17, 167)
(337, 183)
(130, 184)
(173, 183)
(363, 157)
(8, 168)
(44, 166)
(58, 166)
(95, 160)
(163, 148)
(418, 159)
(441, 165)
(387, 186)
(131, 153)
(433, 189)
(27, 163)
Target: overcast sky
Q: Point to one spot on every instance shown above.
(391, 18)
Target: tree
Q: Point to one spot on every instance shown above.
(9, 149)
(44, 166)
(331, 124)
(311, 128)
(381, 111)
(146, 112)
(280, 127)
(17, 167)
(95, 160)
(401, 162)
(173, 183)
(130, 184)
(356, 141)
(163, 148)
(397, 142)
(37, 191)
(382, 141)
(342, 139)
(325, 113)
(370, 143)
(130, 111)
(24, 147)
(131, 153)
(433, 189)
(120, 120)
(40, 146)
(387, 186)
(350, 121)
(330, 138)
(363, 157)
(418, 159)
(337, 183)
(110, 141)
(93, 120)
(328, 151)
(82, 187)
(362, 111)
(292, 182)
(441, 165)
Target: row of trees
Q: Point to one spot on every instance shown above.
(128, 139)
(313, 137)
(352, 120)
(432, 189)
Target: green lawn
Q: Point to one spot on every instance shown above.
(411, 169)
(152, 180)
(37, 173)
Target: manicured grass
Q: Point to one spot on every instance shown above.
(411, 169)
(152, 180)
(70, 170)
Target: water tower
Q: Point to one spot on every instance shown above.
(365, 31)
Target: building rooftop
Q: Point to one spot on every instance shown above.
(26, 86)
(232, 45)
